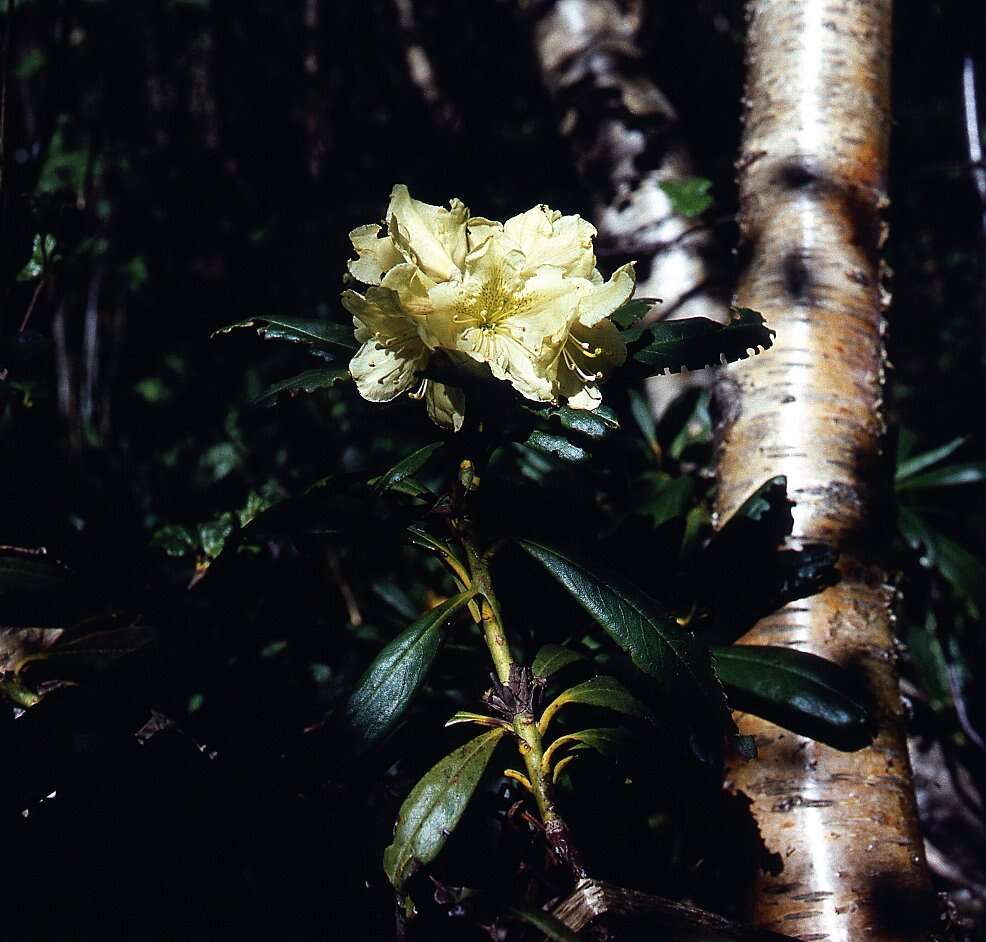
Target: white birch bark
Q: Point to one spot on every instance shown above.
(812, 176)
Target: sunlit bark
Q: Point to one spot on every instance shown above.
(812, 175)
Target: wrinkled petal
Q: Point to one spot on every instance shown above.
(548, 238)
(377, 254)
(432, 237)
(446, 405)
(411, 285)
(609, 296)
(392, 352)
(513, 324)
(478, 230)
(589, 353)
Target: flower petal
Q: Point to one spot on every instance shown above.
(446, 405)
(609, 296)
(432, 237)
(392, 352)
(377, 254)
(589, 352)
(548, 238)
(411, 286)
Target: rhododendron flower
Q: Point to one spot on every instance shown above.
(522, 299)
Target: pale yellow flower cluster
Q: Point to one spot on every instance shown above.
(523, 298)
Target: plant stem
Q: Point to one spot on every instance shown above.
(529, 742)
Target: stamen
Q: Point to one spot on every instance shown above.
(386, 376)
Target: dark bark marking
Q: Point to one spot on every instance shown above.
(796, 174)
(797, 277)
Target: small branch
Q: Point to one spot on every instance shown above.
(973, 133)
(345, 590)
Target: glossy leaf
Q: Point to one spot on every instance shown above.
(389, 685)
(307, 382)
(557, 446)
(656, 643)
(693, 343)
(951, 475)
(435, 806)
(626, 316)
(405, 468)
(606, 692)
(551, 658)
(319, 334)
(594, 425)
(807, 694)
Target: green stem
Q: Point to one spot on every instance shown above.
(529, 741)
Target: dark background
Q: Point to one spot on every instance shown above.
(200, 162)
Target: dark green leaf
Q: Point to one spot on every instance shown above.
(690, 197)
(557, 446)
(955, 563)
(656, 643)
(32, 573)
(631, 312)
(694, 343)
(912, 465)
(928, 656)
(758, 526)
(405, 468)
(435, 806)
(389, 685)
(661, 497)
(641, 411)
(93, 651)
(214, 534)
(594, 425)
(606, 692)
(551, 658)
(696, 429)
(320, 334)
(395, 596)
(307, 382)
(43, 253)
(971, 472)
(799, 691)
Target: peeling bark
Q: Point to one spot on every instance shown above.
(624, 135)
(607, 908)
(812, 176)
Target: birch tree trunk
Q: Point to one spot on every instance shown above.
(625, 139)
(812, 175)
